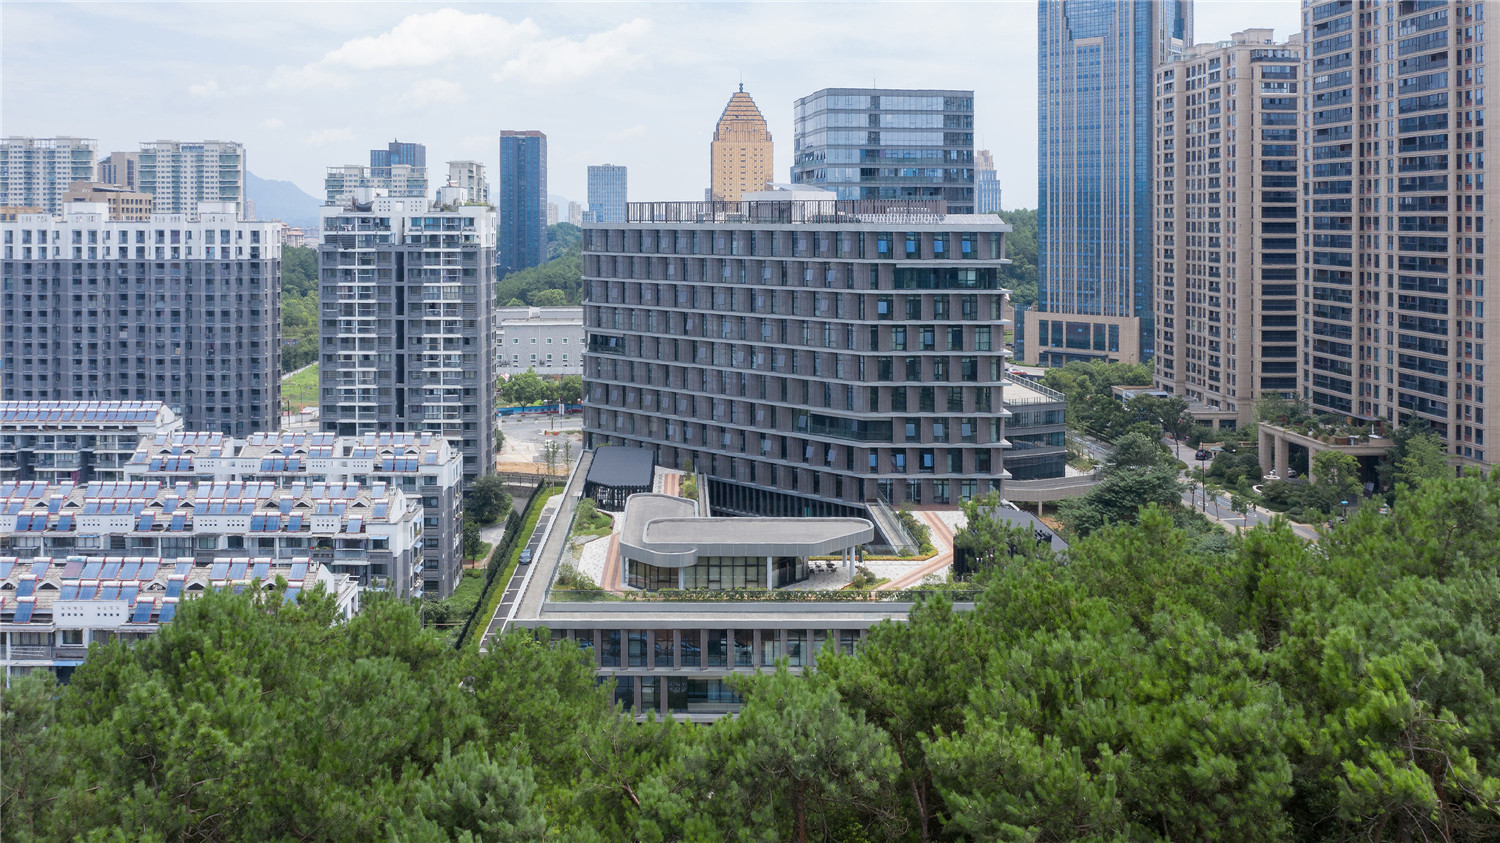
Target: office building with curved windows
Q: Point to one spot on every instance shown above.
(806, 355)
(887, 143)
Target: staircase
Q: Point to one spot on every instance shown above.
(888, 525)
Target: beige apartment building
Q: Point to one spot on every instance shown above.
(125, 205)
(1395, 283)
(740, 155)
(1225, 239)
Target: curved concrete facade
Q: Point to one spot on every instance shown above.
(666, 531)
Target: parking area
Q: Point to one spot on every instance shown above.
(527, 436)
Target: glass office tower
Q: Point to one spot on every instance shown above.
(879, 143)
(1095, 60)
(523, 200)
(608, 188)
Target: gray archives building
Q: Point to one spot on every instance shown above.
(809, 356)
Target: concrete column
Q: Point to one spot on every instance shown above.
(770, 573)
(1283, 457)
(682, 578)
(1267, 457)
(1310, 477)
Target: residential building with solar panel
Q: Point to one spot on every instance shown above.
(422, 465)
(371, 532)
(184, 309)
(53, 607)
(76, 441)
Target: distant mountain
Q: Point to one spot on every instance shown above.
(282, 200)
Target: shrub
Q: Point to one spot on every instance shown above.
(569, 577)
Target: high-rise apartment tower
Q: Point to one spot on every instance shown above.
(1095, 60)
(1226, 224)
(36, 172)
(883, 143)
(523, 200)
(180, 309)
(407, 338)
(180, 174)
(121, 168)
(1395, 283)
(469, 175)
(398, 154)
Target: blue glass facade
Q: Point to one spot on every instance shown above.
(1095, 60)
(873, 143)
(608, 188)
(396, 152)
(523, 201)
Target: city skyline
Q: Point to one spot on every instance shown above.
(230, 71)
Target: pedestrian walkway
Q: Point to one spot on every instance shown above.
(942, 541)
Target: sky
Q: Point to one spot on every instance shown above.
(307, 85)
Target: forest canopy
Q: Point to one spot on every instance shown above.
(1134, 691)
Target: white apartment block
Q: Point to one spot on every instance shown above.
(359, 182)
(549, 340)
(422, 465)
(470, 176)
(53, 607)
(76, 441)
(181, 174)
(36, 172)
(372, 533)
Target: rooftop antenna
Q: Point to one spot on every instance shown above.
(742, 81)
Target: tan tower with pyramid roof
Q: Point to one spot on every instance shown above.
(740, 155)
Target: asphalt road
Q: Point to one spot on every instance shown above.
(1215, 507)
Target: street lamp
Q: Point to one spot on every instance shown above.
(1344, 509)
(1203, 480)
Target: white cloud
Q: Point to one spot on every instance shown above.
(327, 136)
(628, 132)
(272, 123)
(435, 92)
(435, 37)
(308, 78)
(564, 60)
(206, 90)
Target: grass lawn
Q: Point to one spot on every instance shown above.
(466, 596)
(483, 554)
(301, 390)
